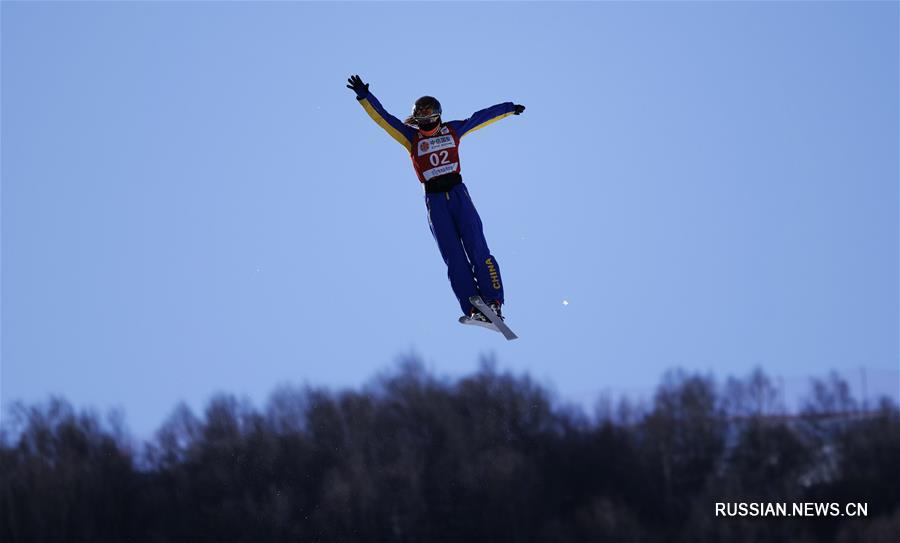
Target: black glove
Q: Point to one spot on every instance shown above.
(519, 109)
(356, 84)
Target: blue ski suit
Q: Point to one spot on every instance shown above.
(452, 217)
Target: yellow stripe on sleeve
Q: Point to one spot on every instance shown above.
(394, 133)
(482, 125)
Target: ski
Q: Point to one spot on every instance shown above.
(489, 313)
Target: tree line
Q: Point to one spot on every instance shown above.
(492, 456)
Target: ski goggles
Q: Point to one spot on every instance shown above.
(426, 119)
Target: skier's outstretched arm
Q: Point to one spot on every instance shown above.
(486, 116)
(392, 125)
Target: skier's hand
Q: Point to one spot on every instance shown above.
(519, 109)
(356, 85)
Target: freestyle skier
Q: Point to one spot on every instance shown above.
(433, 146)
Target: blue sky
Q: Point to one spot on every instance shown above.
(193, 202)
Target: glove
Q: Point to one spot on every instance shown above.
(519, 109)
(356, 85)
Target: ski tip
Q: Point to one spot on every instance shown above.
(475, 299)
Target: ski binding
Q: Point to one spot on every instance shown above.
(496, 323)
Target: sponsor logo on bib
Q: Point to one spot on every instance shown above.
(440, 170)
(435, 144)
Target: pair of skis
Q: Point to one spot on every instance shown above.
(496, 323)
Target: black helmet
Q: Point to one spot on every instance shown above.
(426, 109)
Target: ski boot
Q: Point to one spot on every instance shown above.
(477, 318)
(495, 307)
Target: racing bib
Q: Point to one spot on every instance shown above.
(436, 155)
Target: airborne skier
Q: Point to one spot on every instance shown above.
(433, 146)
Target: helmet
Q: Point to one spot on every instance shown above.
(426, 103)
(426, 111)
